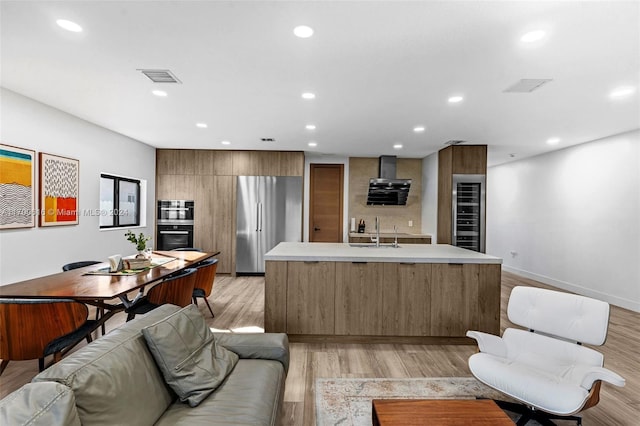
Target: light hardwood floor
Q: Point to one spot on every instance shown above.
(239, 304)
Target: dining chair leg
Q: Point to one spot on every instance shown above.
(195, 301)
(40, 364)
(3, 365)
(209, 306)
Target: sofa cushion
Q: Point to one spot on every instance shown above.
(116, 375)
(250, 395)
(186, 352)
(40, 404)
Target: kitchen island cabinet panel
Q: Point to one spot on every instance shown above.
(416, 294)
(358, 301)
(454, 299)
(275, 297)
(405, 299)
(310, 297)
(489, 299)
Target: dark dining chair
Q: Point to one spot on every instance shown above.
(186, 249)
(37, 328)
(177, 289)
(82, 264)
(204, 281)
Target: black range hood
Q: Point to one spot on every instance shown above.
(386, 190)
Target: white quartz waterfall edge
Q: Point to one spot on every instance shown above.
(347, 402)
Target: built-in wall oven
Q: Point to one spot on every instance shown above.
(174, 224)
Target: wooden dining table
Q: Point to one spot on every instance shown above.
(108, 292)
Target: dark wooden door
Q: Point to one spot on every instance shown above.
(325, 203)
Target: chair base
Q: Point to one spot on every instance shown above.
(528, 414)
(195, 302)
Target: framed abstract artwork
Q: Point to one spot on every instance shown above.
(59, 190)
(17, 187)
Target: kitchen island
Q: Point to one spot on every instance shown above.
(417, 293)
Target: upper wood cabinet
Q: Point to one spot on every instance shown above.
(176, 161)
(229, 163)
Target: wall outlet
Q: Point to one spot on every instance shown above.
(410, 223)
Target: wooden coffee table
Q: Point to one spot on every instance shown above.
(438, 412)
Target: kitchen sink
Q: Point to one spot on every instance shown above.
(371, 245)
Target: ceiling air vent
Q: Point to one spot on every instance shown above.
(527, 85)
(454, 142)
(161, 76)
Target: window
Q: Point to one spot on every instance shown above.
(119, 201)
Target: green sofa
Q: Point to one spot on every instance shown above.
(115, 381)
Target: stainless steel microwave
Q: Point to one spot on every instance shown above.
(175, 212)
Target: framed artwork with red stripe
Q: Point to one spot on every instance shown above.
(59, 190)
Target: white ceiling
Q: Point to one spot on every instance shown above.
(378, 68)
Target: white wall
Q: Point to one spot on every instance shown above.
(32, 252)
(430, 196)
(310, 158)
(571, 218)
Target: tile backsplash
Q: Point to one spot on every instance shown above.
(361, 169)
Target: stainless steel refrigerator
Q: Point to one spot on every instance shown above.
(269, 210)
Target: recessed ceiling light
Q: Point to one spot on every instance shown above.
(160, 93)
(308, 95)
(419, 129)
(533, 36)
(622, 92)
(312, 144)
(397, 146)
(303, 31)
(310, 127)
(225, 143)
(69, 26)
(201, 125)
(553, 141)
(455, 99)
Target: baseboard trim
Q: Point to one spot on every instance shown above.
(574, 288)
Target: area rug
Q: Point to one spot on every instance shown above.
(347, 402)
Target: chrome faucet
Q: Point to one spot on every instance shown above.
(376, 239)
(395, 241)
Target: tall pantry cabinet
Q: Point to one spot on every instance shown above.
(209, 178)
(455, 160)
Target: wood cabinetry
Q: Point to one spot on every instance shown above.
(358, 298)
(460, 159)
(406, 297)
(208, 178)
(354, 301)
(310, 297)
(462, 299)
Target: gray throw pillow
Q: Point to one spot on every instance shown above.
(184, 349)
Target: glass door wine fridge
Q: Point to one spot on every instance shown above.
(468, 230)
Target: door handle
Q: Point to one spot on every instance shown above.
(315, 228)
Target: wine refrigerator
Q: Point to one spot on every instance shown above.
(468, 210)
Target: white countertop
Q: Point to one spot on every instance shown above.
(409, 253)
(388, 234)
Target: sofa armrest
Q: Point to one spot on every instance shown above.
(592, 374)
(40, 404)
(274, 346)
(489, 343)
